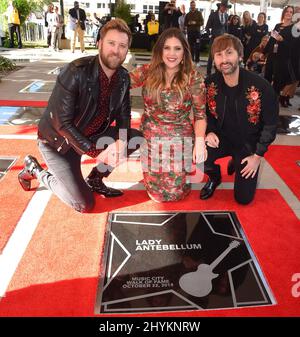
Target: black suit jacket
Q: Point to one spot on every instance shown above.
(214, 24)
(82, 16)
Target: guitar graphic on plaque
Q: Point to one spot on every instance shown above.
(199, 282)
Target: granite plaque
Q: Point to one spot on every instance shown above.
(178, 261)
(5, 164)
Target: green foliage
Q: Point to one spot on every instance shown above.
(25, 7)
(6, 64)
(3, 5)
(22, 6)
(122, 11)
(38, 5)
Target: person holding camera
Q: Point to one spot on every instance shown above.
(171, 15)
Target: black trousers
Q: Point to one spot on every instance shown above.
(64, 177)
(194, 42)
(49, 37)
(151, 38)
(12, 30)
(210, 60)
(244, 189)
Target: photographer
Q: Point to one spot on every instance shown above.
(171, 14)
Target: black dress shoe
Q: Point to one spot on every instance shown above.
(98, 186)
(209, 189)
(29, 172)
(230, 167)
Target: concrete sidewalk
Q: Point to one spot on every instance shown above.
(40, 64)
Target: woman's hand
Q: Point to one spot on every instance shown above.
(276, 36)
(212, 140)
(199, 151)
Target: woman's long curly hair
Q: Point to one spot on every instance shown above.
(156, 79)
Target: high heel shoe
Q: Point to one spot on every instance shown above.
(25, 178)
(29, 172)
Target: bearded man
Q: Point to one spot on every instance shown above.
(89, 95)
(242, 113)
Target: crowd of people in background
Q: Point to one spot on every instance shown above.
(272, 52)
(54, 23)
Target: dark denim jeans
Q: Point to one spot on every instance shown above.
(64, 177)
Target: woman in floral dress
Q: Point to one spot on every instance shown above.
(174, 120)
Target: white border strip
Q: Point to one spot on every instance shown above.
(20, 238)
(30, 137)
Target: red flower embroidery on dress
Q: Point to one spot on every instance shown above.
(211, 94)
(254, 106)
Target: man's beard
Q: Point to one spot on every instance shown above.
(110, 62)
(228, 71)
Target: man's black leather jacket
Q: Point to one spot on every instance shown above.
(74, 103)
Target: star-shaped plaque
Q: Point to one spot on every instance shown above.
(178, 261)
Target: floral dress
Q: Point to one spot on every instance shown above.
(166, 154)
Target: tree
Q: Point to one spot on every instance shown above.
(25, 7)
(122, 11)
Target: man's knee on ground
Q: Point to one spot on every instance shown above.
(243, 199)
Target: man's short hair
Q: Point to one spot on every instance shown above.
(119, 25)
(224, 41)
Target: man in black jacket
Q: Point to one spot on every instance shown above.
(194, 21)
(217, 24)
(242, 114)
(90, 94)
(77, 18)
